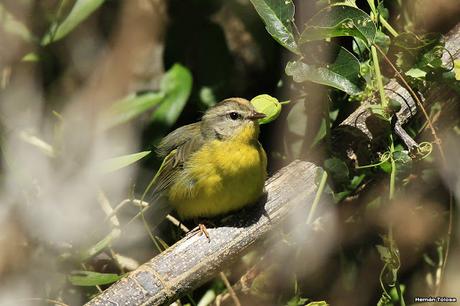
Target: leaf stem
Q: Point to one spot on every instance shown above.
(378, 77)
(388, 26)
(393, 170)
(319, 192)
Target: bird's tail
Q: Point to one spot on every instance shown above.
(157, 211)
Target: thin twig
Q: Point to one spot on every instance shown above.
(49, 301)
(230, 289)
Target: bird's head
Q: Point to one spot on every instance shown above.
(231, 118)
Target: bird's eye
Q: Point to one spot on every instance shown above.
(234, 115)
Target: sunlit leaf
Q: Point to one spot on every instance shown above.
(176, 86)
(267, 105)
(277, 16)
(119, 162)
(416, 73)
(302, 72)
(79, 12)
(319, 303)
(457, 69)
(100, 245)
(89, 278)
(31, 57)
(131, 107)
(339, 20)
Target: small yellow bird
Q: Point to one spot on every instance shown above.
(213, 166)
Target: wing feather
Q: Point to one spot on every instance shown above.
(176, 147)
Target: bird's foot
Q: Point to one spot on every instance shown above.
(202, 229)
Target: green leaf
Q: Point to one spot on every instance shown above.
(394, 293)
(207, 298)
(79, 12)
(457, 69)
(339, 20)
(385, 254)
(131, 107)
(176, 86)
(403, 164)
(302, 72)
(13, 26)
(297, 301)
(416, 73)
(31, 57)
(413, 42)
(278, 16)
(89, 278)
(116, 163)
(383, 41)
(319, 303)
(207, 96)
(337, 169)
(346, 65)
(267, 105)
(100, 245)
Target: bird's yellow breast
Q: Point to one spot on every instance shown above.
(222, 176)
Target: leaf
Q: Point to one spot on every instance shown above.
(31, 57)
(89, 278)
(11, 25)
(100, 245)
(176, 86)
(385, 254)
(383, 41)
(131, 107)
(116, 163)
(207, 298)
(403, 164)
(457, 69)
(302, 72)
(277, 16)
(79, 12)
(267, 105)
(416, 73)
(297, 301)
(347, 65)
(337, 169)
(411, 41)
(207, 96)
(319, 303)
(339, 20)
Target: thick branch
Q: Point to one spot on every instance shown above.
(193, 260)
(362, 135)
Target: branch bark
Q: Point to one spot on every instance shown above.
(192, 261)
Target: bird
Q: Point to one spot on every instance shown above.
(214, 166)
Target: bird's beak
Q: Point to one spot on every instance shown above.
(256, 115)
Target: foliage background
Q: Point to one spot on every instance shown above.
(83, 83)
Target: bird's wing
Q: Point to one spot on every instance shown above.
(176, 148)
